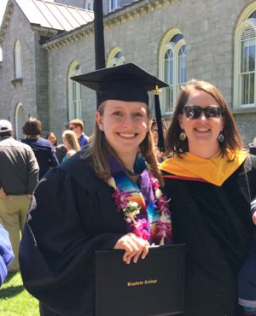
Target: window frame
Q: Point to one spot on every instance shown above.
(167, 44)
(17, 60)
(237, 103)
(113, 5)
(113, 59)
(19, 120)
(74, 99)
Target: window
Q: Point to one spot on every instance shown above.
(172, 67)
(113, 5)
(89, 5)
(74, 92)
(247, 66)
(244, 59)
(19, 120)
(115, 57)
(17, 60)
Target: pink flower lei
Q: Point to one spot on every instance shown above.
(131, 209)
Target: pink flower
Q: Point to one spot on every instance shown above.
(121, 199)
(162, 204)
(164, 229)
(154, 182)
(140, 229)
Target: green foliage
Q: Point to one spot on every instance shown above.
(15, 300)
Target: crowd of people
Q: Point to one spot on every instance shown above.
(23, 164)
(120, 192)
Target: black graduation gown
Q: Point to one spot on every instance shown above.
(216, 225)
(72, 215)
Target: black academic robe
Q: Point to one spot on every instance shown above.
(216, 225)
(72, 214)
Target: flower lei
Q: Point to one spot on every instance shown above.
(131, 209)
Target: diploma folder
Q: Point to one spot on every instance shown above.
(153, 286)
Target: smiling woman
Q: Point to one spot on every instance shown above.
(94, 202)
(125, 125)
(207, 183)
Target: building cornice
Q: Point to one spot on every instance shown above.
(129, 12)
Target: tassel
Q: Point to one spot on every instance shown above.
(158, 114)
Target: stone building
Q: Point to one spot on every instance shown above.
(176, 40)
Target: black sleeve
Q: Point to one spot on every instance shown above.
(58, 245)
(53, 160)
(250, 171)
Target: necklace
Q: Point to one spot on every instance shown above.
(143, 205)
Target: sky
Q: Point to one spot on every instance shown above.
(2, 10)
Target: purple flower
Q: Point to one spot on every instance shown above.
(140, 229)
(162, 204)
(164, 229)
(121, 199)
(154, 182)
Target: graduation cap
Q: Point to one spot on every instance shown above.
(127, 82)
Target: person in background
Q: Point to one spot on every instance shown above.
(42, 148)
(52, 139)
(154, 131)
(206, 182)
(71, 144)
(6, 254)
(60, 150)
(103, 197)
(77, 126)
(18, 178)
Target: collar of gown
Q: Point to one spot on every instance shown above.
(215, 170)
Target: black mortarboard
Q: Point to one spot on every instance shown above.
(127, 82)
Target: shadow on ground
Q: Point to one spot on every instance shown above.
(11, 291)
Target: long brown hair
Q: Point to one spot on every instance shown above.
(99, 150)
(232, 141)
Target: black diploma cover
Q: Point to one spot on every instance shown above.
(151, 287)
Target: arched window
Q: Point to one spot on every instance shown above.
(113, 5)
(19, 120)
(244, 61)
(17, 60)
(172, 67)
(115, 57)
(74, 92)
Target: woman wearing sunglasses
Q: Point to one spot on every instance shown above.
(207, 181)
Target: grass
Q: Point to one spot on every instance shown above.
(15, 300)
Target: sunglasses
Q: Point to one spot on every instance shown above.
(194, 112)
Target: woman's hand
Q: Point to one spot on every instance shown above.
(133, 246)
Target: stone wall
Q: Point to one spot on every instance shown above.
(14, 92)
(138, 29)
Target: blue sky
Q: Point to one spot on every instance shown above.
(2, 8)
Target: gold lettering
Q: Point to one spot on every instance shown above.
(150, 281)
(140, 283)
(136, 283)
